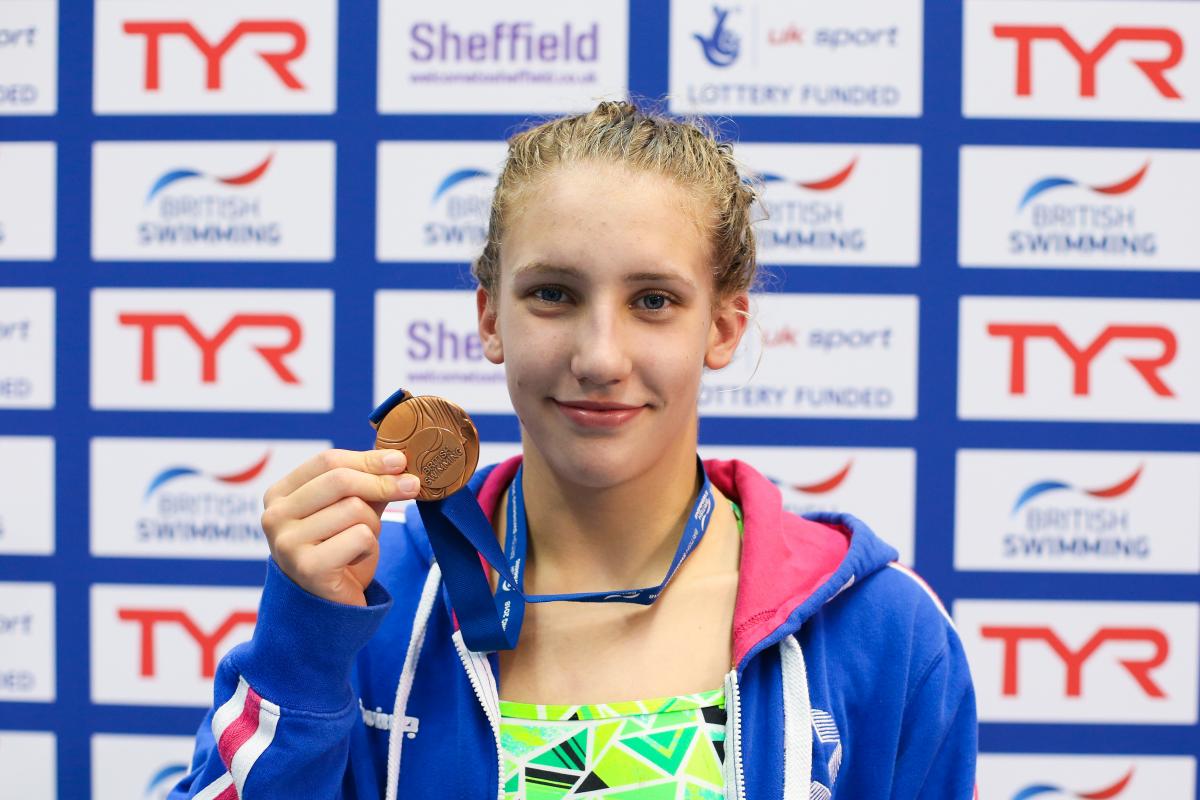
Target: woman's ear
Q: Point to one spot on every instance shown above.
(725, 333)
(489, 330)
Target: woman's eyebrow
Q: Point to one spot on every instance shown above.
(543, 268)
(549, 269)
(660, 277)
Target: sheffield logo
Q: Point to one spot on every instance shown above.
(1155, 70)
(1120, 187)
(172, 473)
(278, 61)
(721, 47)
(149, 324)
(1106, 493)
(1082, 357)
(1051, 790)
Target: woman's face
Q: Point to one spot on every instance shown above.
(604, 318)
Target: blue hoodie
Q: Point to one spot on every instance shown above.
(848, 678)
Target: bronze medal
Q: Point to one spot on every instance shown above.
(438, 439)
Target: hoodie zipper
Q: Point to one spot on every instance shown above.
(733, 738)
(490, 702)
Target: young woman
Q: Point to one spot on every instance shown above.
(785, 658)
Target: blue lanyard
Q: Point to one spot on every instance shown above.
(460, 532)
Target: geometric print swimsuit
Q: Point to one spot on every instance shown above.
(666, 749)
(671, 748)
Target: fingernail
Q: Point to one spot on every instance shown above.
(393, 460)
(408, 483)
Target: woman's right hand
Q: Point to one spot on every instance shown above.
(322, 520)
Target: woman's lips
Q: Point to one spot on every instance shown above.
(590, 414)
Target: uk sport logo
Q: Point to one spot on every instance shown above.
(722, 45)
(264, 56)
(212, 348)
(756, 57)
(1110, 60)
(1075, 207)
(1078, 358)
(1101, 662)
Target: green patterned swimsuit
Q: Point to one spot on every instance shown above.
(666, 749)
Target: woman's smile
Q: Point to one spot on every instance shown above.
(598, 415)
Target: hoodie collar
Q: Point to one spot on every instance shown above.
(790, 565)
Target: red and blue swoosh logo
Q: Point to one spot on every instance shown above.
(820, 184)
(1042, 789)
(1106, 493)
(175, 175)
(1055, 182)
(172, 473)
(823, 486)
(457, 177)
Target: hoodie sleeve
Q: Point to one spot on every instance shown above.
(937, 749)
(284, 708)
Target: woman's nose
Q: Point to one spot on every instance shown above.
(601, 355)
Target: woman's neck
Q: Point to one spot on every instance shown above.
(617, 538)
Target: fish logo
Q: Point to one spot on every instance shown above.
(171, 473)
(819, 185)
(1056, 181)
(175, 175)
(457, 177)
(1105, 493)
(721, 47)
(1041, 789)
(820, 487)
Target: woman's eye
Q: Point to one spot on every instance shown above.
(654, 302)
(549, 294)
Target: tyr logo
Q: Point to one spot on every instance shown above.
(149, 323)
(148, 618)
(1073, 661)
(1147, 367)
(213, 54)
(1154, 69)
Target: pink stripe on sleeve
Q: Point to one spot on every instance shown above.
(238, 732)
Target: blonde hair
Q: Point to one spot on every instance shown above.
(618, 132)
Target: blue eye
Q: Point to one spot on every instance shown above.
(549, 294)
(654, 302)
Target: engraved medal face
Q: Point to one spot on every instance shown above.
(438, 439)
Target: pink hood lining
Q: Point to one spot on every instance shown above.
(785, 558)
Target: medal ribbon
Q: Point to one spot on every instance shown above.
(460, 533)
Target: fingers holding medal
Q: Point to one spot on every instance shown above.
(438, 439)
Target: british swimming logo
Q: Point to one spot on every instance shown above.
(175, 175)
(172, 473)
(825, 184)
(722, 45)
(162, 781)
(823, 486)
(1108, 492)
(1051, 790)
(1054, 182)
